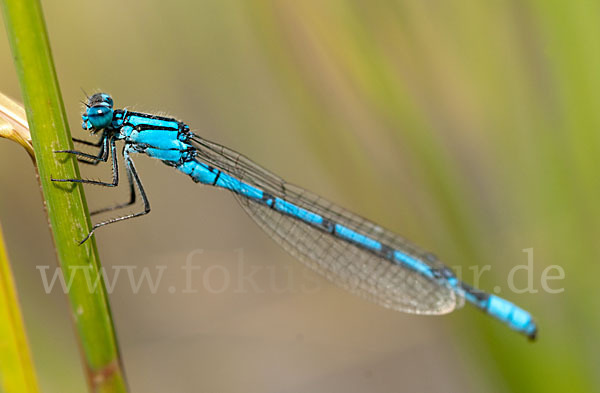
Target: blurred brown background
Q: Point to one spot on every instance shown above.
(470, 128)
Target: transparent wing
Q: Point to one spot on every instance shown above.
(356, 269)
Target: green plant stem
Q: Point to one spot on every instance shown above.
(66, 206)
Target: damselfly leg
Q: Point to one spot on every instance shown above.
(103, 156)
(133, 177)
(108, 146)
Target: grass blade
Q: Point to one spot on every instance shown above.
(66, 206)
(16, 367)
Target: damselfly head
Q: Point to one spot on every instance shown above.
(98, 113)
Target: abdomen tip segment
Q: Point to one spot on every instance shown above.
(516, 318)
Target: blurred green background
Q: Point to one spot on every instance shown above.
(471, 128)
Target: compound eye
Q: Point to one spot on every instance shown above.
(100, 116)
